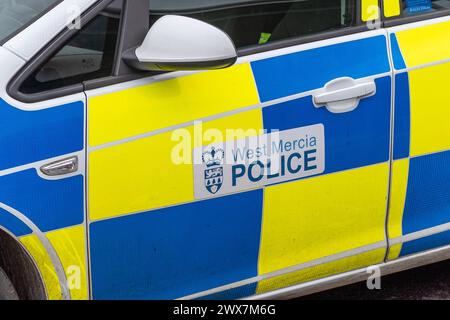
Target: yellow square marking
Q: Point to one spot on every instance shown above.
(424, 45)
(144, 109)
(400, 170)
(430, 111)
(370, 10)
(391, 8)
(323, 270)
(394, 251)
(318, 217)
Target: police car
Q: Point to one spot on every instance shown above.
(220, 149)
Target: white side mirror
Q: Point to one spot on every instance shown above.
(181, 43)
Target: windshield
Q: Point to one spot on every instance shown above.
(15, 14)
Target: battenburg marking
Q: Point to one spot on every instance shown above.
(257, 161)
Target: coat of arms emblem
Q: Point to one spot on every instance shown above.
(213, 159)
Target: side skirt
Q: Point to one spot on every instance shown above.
(359, 275)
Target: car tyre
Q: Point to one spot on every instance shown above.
(7, 291)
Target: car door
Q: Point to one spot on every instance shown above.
(419, 211)
(161, 226)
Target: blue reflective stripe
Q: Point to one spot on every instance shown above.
(307, 70)
(399, 62)
(50, 204)
(428, 195)
(402, 120)
(352, 139)
(13, 224)
(177, 251)
(30, 136)
(427, 243)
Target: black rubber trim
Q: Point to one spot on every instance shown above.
(29, 23)
(358, 12)
(109, 81)
(115, 7)
(44, 54)
(134, 26)
(46, 95)
(219, 7)
(203, 65)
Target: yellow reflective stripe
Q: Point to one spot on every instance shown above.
(142, 175)
(70, 245)
(323, 270)
(430, 112)
(137, 176)
(400, 171)
(159, 105)
(301, 217)
(391, 8)
(370, 10)
(425, 44)
(394, 251)
(45, 265)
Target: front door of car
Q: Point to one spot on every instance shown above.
(174, 213)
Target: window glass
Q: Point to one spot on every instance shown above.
(412, 7)
(251, 23)
(88, 55)
(14, 14)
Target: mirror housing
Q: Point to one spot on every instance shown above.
(177, 43)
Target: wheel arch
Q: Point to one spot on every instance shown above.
(35, 252)
(20, 267)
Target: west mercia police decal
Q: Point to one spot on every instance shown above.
(258, 161)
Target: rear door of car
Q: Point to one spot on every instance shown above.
(420, 204)
(313, 73)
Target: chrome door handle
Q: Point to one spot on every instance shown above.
(343, 94)
(61, 167)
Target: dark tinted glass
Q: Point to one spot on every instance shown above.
(89, 55)
(251, 23)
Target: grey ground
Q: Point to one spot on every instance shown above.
(426, 283)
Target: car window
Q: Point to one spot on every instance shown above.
(15, 14)
(412, 7)
(255, 23)
(88, 55)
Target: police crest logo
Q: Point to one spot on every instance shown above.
(213, 159)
